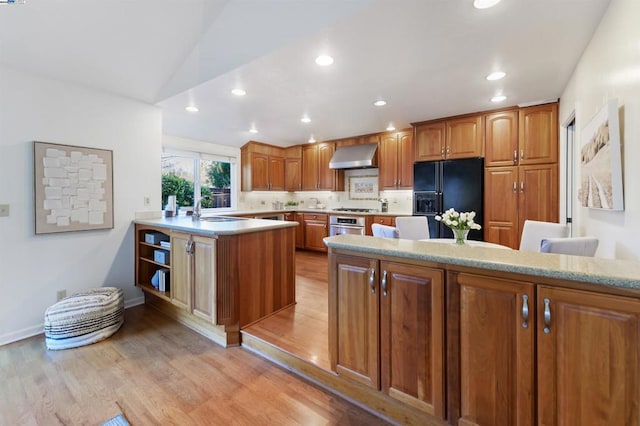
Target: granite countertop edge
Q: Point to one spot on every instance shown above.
(243, 226)
(598, 271)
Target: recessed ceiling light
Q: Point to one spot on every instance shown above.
(305, 119)
(380, 103)
(311, 139)
(192, 108)
(484, 4)
(498, 98)
(253, 130)
(496, 75)
(391, 127)
(239, 92)
(324, 60)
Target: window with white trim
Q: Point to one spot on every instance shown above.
(191, 176)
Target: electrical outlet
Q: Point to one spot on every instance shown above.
(147, 201)
(262, 202)
(61, 294)
(4, 210)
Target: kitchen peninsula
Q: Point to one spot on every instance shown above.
(472, 335)
(224, 272)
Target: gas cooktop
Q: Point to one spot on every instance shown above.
(348, 209)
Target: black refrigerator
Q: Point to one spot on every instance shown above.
(441, 185)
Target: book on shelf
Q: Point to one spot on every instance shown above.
(165, 244)
(163, 278)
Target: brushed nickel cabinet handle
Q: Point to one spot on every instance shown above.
(515, 156)
(525, 311)
(372, 280)
(384, 283)
(547, 316)
(522, 186)
(515, 186)
(442, 151)
(522, 154)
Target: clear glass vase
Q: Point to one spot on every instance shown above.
(460, 235)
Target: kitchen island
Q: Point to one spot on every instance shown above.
(440, 333)
(217, 274)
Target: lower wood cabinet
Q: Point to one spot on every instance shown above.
(316, 229)
(194, 275)
(386, 328)
(588, 353)
(496, 351)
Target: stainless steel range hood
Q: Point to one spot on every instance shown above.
(355, 157)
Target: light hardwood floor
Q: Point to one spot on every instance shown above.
(156, 371)
(303, 329)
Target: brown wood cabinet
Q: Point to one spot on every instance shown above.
(448, 139)
(496, 351)
(182, 270)
(386, 328)
(315, 230)
(588, 353)
(316, 174)
(396, 161)
(293, 168)
(514, 194)
(384, 220)
(522, 137)
(297, 217)
(263, 167)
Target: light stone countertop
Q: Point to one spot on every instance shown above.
(307, 210)
(622, 274)
(240, 226)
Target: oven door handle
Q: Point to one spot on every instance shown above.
(338, 225)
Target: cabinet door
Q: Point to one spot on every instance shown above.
(259, 172)
(464, 138)
(293, 174)
(538, 137)
(310, 168)
(276, 173)
(299, 231)
(353, 319)
(538, 199)
(412, 335)
(326, 176)
(204, 278)
(496, 351)
(314, 232)
(388, 162)
(588, 360)
(405, 160)
(181, 273)
(501, 139)
(501, 206)
(429, 143)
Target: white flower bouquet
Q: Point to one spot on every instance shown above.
(460, 223)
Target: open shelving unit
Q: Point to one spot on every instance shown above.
(146, 266)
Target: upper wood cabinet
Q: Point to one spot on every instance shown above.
(588, 354)
(521, 137)
(448, 139)
(316, 174)
(395, 168)
(538, 134)
(293, 168)
(263, 167)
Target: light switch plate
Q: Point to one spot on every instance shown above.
(4, 210)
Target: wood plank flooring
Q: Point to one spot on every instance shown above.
(303, 329)
(156, 371)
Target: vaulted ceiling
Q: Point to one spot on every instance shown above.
(426, 58)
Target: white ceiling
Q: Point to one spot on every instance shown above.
(427, 58)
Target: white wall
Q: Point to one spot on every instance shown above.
(33, 268)
(608, 69)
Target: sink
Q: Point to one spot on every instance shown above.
(221, 218)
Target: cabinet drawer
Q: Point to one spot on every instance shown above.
(314, 216)
(385, 220)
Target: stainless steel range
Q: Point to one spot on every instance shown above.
(346, 225)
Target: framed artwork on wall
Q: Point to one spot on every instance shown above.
(73, 188)
(363, 187)
(600, 161)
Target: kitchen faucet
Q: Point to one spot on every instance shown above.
(197, 210)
